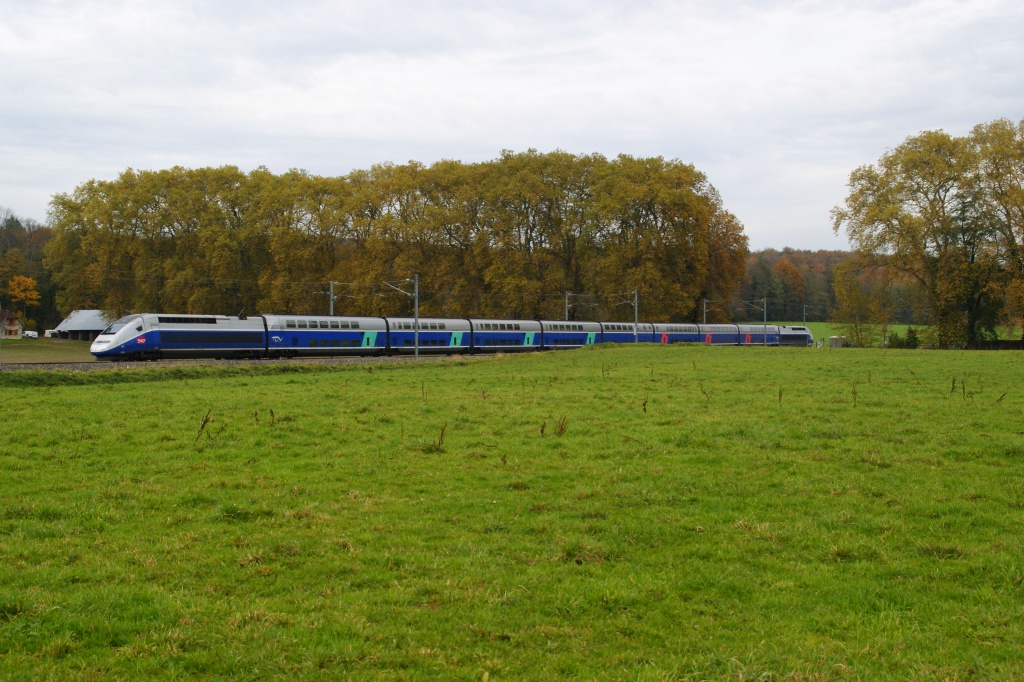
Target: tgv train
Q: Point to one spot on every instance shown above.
(150, 336)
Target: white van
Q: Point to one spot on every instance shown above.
(30, 335)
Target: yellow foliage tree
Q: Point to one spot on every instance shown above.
(23, 292)
(862, 303)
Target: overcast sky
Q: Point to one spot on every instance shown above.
(776, 101)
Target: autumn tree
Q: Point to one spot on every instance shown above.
(793, 290)
(862, 306)
(23, 293)
(945, 212)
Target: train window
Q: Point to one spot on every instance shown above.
(407, 342)
(302, 324)
(314, 342)
(355, 325)
(343, 324)
(334, 342)
(517, 327)
(290, 324)
(433, 325)
(335, 324)
(440, 325)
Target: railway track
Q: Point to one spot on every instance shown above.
(154, 364)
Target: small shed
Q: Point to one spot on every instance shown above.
(11, 325)
(82, 325)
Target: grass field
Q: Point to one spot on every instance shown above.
(44, 350)
(823, 330)
(617, 512)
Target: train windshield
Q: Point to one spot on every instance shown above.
(116, 327)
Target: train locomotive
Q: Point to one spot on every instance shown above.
(153, 336)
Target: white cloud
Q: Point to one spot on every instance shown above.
(777, 102)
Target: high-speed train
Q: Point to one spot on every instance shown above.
(151, 336)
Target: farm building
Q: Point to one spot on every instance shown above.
(11, 325)
(82, 325)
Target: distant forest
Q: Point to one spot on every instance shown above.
(508, 237)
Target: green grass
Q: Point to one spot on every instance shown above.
(823, 330)
(44, 350)
(618, 512)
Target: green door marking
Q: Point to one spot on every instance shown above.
(590, 338)
(369, 339)
(528, 339)
(456, 339)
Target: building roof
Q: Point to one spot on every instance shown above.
(84, 321)
(8, 316)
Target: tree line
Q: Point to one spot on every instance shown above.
(795, 284)
(502, 238)
(25, 285)
(938, 226)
